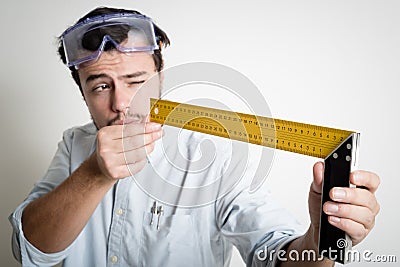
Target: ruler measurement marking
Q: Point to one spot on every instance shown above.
(307, 139)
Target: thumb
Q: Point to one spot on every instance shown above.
(318, 172)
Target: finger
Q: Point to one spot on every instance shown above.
(136, 155)
(149, 148)
(366, 179)
(108, 148)
(140, 128)
(318, 173)
(133, 156)
(355, 196)
(355, 230)
(136, 167)
(110, 132)
(124, 171)
(137, 141)
(359, 214)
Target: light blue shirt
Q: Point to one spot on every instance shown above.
(120, 232)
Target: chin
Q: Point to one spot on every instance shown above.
(98, 126)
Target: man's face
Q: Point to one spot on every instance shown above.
(111, 87)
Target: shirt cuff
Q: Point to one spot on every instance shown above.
(27, 253)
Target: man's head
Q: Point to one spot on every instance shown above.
(110, 59)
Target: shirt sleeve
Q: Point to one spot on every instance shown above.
(58, 171)
(254, 222)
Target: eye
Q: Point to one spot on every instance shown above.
(136, 82)
(101, 88)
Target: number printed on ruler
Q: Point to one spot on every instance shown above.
(302, 138)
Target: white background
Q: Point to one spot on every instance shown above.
(333, 63)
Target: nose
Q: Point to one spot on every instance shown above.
(121, 100)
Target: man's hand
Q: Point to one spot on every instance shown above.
(53, 221)
(353, 209)
(122, 149)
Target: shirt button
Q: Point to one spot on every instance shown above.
(114, 259)
(120, 211)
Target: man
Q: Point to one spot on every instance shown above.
(87, 211)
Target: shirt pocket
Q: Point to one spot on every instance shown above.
(174, 243)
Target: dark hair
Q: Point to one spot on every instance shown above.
(161, 36)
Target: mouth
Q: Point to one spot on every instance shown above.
(137, 118)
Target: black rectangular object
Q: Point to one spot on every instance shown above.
(333, 242)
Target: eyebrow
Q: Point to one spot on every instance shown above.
(103, 75)
(95, 76)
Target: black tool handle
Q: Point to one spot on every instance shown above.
(333, 242)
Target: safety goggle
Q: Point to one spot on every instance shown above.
(85, 41)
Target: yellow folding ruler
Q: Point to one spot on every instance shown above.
(337, 147)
